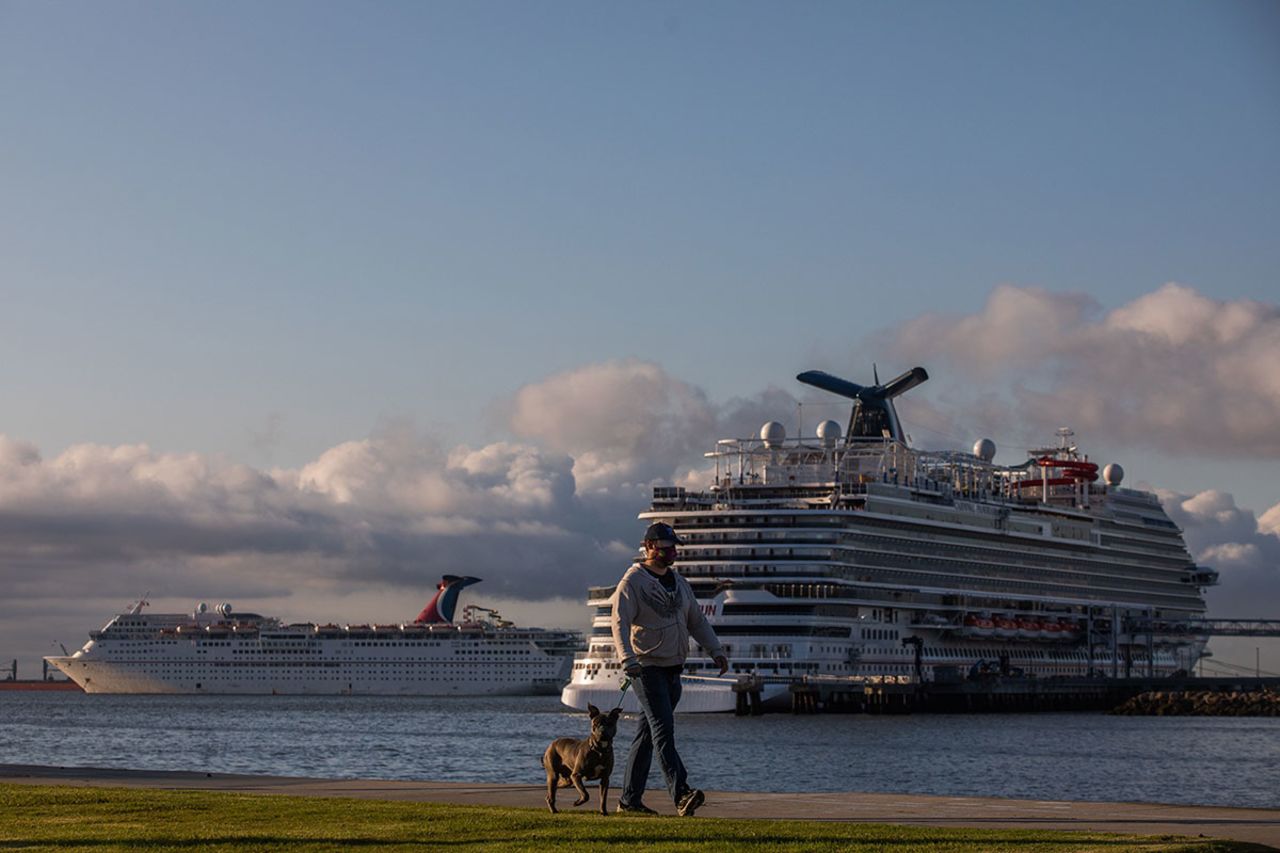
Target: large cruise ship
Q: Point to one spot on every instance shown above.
(852, 555)
(221, 650)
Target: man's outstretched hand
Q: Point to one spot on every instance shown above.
(722, 662)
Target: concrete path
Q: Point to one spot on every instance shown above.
(1257, 825)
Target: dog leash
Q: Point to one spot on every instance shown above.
(626, 682)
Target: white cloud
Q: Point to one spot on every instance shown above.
(1172, 370)
(1230, 539)
(621, 421)
(1269, 521)
(630, 422)
(99, 524)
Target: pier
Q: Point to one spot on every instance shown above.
(46, 682)
(996, 693)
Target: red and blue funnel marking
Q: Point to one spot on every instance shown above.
(439, 611)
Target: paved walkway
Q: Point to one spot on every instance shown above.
(1257, 825)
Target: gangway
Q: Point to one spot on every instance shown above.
(1223, 667)
(1211, 627)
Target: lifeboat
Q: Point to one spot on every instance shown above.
(977, 626)
(1028, 629)
(1051, 630)
(1005, 627)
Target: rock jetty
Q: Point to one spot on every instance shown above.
(1203, 703)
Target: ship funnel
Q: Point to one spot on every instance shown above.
(440, 609)
(904, 383)
(873, 413)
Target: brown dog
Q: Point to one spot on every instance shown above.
(570, 760)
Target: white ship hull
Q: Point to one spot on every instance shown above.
(221, 651)
(111, 677)
(698, 695)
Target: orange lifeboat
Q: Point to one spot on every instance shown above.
(1005, 627)
(977, 626)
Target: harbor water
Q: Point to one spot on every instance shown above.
(1045, 756)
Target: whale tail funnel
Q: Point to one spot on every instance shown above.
(873, 413)
(439, 610)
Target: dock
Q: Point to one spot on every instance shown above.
(1261, 826)
(47, 680)
(63, 684)
(829, 694)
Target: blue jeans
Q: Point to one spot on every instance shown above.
(658, 692)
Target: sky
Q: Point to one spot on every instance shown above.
(303, 304)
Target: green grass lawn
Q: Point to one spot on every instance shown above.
(101, 819)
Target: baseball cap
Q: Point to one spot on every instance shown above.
(660, 532)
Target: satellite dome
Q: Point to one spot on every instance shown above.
(772, 434)
(829, 432)
(1113, 474)
(202, 607)
(225, 608)
(984, 449)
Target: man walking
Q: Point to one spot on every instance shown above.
(654, 614)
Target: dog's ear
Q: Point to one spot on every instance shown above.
(613, 715)
(593, 711)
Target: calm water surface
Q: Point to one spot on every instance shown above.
(1197, 760)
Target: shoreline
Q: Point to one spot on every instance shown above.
(1260, 826)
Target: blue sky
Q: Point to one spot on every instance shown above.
(339, 211)
(255, 231)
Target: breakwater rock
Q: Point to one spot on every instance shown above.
(1203, 703)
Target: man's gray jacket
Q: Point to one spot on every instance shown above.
(651, 626)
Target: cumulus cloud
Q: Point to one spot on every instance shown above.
(98, 524)
(630, 422)
(1269, 521)
(1229, 538)
(1246, 552)
(621, 421)
(539, 519)
(1173, 369)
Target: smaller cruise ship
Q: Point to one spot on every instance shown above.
(222, 650)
